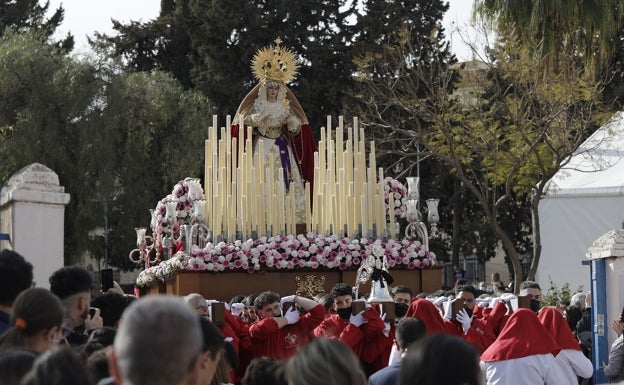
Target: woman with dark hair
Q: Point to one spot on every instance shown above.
(59, 366)
(264, 371)
(36, 321)
(429, 362)
(14, 364)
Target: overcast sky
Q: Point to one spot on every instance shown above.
(83, 17)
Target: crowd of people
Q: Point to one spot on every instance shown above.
(463, 336)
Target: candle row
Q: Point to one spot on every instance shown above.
(246, 196)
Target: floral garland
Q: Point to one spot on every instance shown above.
(291, 252)
(399, 191)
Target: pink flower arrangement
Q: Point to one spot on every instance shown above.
(399, 194)
(291, 252)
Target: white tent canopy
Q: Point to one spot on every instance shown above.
(584, 200)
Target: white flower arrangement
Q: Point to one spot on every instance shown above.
(183, 207)
(290, 252)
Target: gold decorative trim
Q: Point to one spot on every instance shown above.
(310, 285)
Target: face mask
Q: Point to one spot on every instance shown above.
(345, 313)
(400, 309)
(535, 305)
(469, 311)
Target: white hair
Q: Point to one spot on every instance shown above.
(578, 300)
(194, 300)
(158, 339)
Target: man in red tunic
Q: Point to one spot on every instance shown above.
(356, 331)
(472, 329)
(277, 335)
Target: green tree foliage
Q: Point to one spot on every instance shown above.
(159, 44)
(117, 141)
(43, 97)
(418, 24)
(559, 295)
(506, 138)
(24, 15)
(154, 131)
(218, 38)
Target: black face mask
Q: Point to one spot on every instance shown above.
(400, 309)
(535, 305)
(345, 313)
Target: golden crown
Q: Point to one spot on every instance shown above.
(275, 63)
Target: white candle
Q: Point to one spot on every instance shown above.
(269, 200)
(208, 206)
(356, 141)
(339, 145)
(262, 205)
(216, 225)
(370, 188)
(308, 212)
(244, 219)
(364, 210)
(262, 165)
(391, 212)
(342, 204)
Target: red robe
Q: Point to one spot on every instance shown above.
(241, 329)
(377, 353)
(480, 334)
(359, 339)
(497, 317)
(269, 340)
(430, 316)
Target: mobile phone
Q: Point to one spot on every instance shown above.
(457, 305)
(91, 312)
(217, 313)
(287, 305)
(622, 316)
(358, 306)
(106, 276)
(524, 302)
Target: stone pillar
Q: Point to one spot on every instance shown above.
(606, 256)
(32, 206)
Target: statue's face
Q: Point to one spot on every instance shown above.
(272, 90)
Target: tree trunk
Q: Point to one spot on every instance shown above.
(511, 252)
(457, 207)
(537, 238)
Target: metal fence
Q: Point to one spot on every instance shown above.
(475, 271)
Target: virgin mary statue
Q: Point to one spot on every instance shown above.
(278, 120)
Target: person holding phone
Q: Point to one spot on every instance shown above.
(73, 284)
(463, 322)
